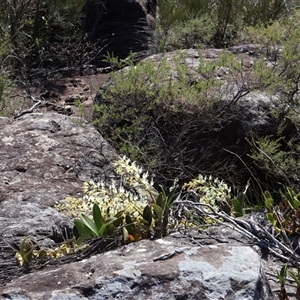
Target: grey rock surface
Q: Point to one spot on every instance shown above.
(169, 268)
(43, 159)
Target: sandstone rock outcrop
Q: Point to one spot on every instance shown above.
(170, 268)
(45, 158)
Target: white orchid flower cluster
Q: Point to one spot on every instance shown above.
(114, 198)
(212, 191)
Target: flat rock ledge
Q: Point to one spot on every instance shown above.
(158, 269)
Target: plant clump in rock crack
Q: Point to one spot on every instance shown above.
(127, 210)
(132, 209)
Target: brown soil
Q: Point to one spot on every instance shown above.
(72, 95)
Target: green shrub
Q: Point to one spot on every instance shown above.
(191, 33)
(285, 220)
(32, 26)
(4, 93)
(227, 19)
(149, 111)
(4, 73)
(278, 159)
(161, 114)
(278, 154)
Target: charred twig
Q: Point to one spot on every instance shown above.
(28, 111)
(257, 233)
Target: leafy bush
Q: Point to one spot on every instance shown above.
(153, 113)
(277, 158)
(277, 152)
(285, 220)
(4, 91)
(285, 217)
(162, 123)
(192, 33)
(5, 82)
(33, 26)
(227, 19)
(163, 115)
